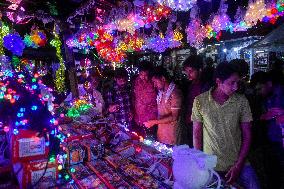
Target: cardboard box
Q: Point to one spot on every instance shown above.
(75, 153)
(36, 174)
(94, 149)
(26, 146)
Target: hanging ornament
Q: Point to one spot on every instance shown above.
(195, 30)
(178, 36)
(178, 5)
(255, 12)
(221, 20)
(18, 15)
(240, 24)
(14, 43)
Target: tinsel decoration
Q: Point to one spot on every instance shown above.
(60, 73)
(14, 43)
(255, 12)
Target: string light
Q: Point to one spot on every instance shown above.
(60, 73)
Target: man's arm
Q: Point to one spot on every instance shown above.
(169, 118)
(197, 135)
(166, 119)
(246, 141)
(235, 170)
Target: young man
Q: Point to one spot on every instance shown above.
(144, 97)
(193, 68)
(221, 126)
(118, 100)
(169, 104)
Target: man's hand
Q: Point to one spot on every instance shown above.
(150, 123)
(113, 108)
(233, 174)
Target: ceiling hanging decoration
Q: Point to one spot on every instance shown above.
(14, 43)
(158, 42)
(178, 5)
(255, 12)
(221, 20)
(239, 23)
(17, 14)
(127, 18)
(37, 38)
(106, 48)
(195, 30)
(84, 39)
(274, 11)
(174, 37)
(82, 10)
(130, 43)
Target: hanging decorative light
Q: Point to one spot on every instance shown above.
(178, 5)
(255, 12)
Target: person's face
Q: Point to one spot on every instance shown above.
(121, 82)
(264, 89)
(158, 83)
(143, 75)
(191, 73)
(230, 85)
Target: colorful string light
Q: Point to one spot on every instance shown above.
(36, 39)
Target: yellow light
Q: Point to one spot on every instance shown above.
(59, 167)
(178, 35)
